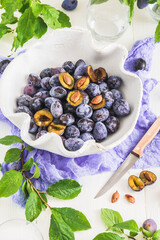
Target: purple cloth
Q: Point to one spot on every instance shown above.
(54, 167)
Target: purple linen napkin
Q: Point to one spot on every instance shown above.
(54, 167)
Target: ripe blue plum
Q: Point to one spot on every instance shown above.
(69, 5)
(116, 94)
(49, 100)
(150, 225)
(139, 64)
(84, 111)
(103, 87)
(35, 80)
(114, 82)
(121, 108)
(42, 94)
(33, 128)
(56, 109)
(80, 71)
(142, 4)
(80, 62)
(36, 104)
(24, 100)
(108, 95)
(29, 90)
(3, 65)
(54, 81)
(85, 125)
(93, 90)
(112, 124)
(24, 109)
(100, 132)
(58, 92)
(85, 98)
(100, 115)
(72, 132)
(45, 73)
(86, 136)
(69, 67)
(45, 83)
(67, 119)
(57, 70)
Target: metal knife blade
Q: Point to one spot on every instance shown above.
(125, 166)
(132, 157)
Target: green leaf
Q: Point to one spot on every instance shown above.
(27, 166)
(29, 148)
(133, 234)
(50, 16)
(24, 189)
(36, 8)
(10, 183)
(24, 6)
(8, 18)
(29, 188)
(111, 217)
(11, 139)
(157, 33)
(75, 219)
(130, 225)
(59, 229)
(64, 189)
(40, 27)
(131, 5)
(33, 206)
(158, 3)
(147, 233)
(64, 20)
(156, 235)
(10, 5)
(37, 172)
(98, 1)
(152, 1)
(26, 26)
(108, 236)
(4, 30)
(16, 44)
(12, 155)
(45, 199)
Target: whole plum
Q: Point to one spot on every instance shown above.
(80, 62)
(29, 90)
(54, 81)
(108, 95)
(93, 90)
(24, 100)
(56, 109)
(41, 133)
(35, 80)
(139, 64)
(57, 70)
(58, 92)
(49, 100)
(142, 4)
(103, 87)
(112, 124)
(45, 83)
(73, 144)
(24, 109)
(86, 136)
(85, 125)
(100, 115)
(67, 119)
(84, 111)
(36, 104)
(46, 73)
(116, 94)
(80, 71)
(85, 98)
(150, 225)
(69, 5)
(33, 127)
(68, 108)
(99, 132)
(121, 108)
(69, 67)
(42, 94)
(114, 82)
(72, 132)
(3, 65)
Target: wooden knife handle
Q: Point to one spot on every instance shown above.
(147, 138)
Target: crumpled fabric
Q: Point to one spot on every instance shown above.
(54, 167)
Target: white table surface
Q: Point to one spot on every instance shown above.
(148, 200)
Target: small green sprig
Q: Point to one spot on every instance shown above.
(32, 20)
(116, 227)
(63, 221)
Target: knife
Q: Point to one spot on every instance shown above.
(136, 153)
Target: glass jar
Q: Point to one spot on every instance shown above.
(154, 11)
(107, 19)
(19, 229)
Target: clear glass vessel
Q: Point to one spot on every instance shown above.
(19, 229)
(107, 19)
(154, 11)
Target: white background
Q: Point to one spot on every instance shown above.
(148, 200)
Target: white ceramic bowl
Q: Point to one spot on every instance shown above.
(52, 51)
